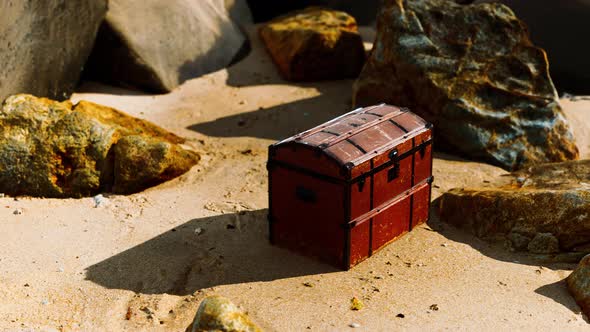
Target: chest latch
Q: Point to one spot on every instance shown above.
(393, 172)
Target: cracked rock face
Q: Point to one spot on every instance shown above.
(474, 73)
(544, 208)
(579, 284)
(57, 149)
(315, 44)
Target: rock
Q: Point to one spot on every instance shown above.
(239, 12)
(544, 243)
(518, 241)
(314, 44)
(356, 304)
(364, 12)
(142, 162)
(219, 314)
(578, 284)
(44, 45)
(549, 198)
(157, 46)
(567, 56)
(57, 149)
(473, 72)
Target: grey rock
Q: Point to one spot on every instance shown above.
(544, 243)
(472, 71)
(239, 12)
(156, 46)
(44, 45)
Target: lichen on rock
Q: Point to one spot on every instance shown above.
(57, 149)
(472, 71)
(314, 44)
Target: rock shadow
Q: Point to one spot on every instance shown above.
(559, 293)
(287, 119)
(556, 291)
(202, 253)
(495, 248)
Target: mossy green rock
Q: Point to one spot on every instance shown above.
(548, 205)
(57, 149)
(217, 313)
(579, 284)
(472, 71)
(314, 44)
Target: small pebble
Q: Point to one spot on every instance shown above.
(18, 211)
(444, 245)
(198, 230)
(100, 200)
(400, 315)
(354, 325)
(44, 302)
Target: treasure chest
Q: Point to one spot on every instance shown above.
(343, 190)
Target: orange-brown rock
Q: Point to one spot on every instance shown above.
(314, 44)
(474, 73)
(57, 149)
(578, 284)
(543, 208)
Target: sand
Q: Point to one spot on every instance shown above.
(144, 261)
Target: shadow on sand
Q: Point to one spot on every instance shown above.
(203, 253)
(556, 291)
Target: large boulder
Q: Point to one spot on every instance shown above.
(579, 284)
(217, 313)
(474, 73)
(157, 45)
(314, 44)
(556, 27)
(57, 149)
(544, 208)
(44, 45)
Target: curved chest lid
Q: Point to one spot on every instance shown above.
(359, 135)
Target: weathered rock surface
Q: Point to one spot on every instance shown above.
(314, 44)
(57, 149)
(556, 26)
(156, 45)
(526, 206)
(44, 45)
(579, 284)
(220, 314)
(544, 243)
(473, 72)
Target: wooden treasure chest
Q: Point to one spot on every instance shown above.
(343, 190)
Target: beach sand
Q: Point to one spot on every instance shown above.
(144, 261)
